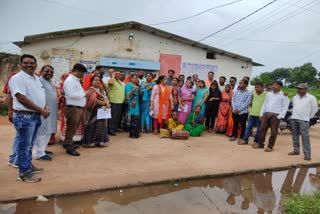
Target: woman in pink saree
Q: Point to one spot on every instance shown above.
(187, 97)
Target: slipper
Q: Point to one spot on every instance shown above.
(293, 153)
(242, 142)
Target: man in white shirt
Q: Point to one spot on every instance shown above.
(273, 110)
(250, 87)
(304, 108)
(75, 101)
(29, 103)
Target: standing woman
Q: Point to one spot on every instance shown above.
(96, 133)
(160, 104)
(175, 92)
(186, 101)
(145, 93)
(132, 95)
(224, 110)
(212, 107)
(201, 96)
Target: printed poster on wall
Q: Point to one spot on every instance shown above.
(188, 69)
(90, 65)
(60, 65)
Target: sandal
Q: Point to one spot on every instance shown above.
(242, 142)
(307, 158)
(293, 153)
(268, 149)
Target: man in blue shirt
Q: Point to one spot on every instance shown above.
(240, 108)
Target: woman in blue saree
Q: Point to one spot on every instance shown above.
(133, 99)
(201, 96)
(145, 93)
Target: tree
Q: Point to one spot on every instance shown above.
(292, 76)
(305, 74)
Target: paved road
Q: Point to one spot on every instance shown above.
(144, 160)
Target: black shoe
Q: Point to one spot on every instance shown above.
(48, 152)
(74, 146)
(73, 152)
(112, 133)
(29, 177)
(36, 170)
(307, 158)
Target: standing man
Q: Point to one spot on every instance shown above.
(222, 81)
(181, 77)
(274, 108)
(141, 76)
(29, 103)
(250, 87)
(254, 119)
(233, 83)
(48, 125)
(170, 77)
(75, 101)
(116, 97)
(128, 78)
(210, 79)
(240, 105)
(304, 108)
(101, 70)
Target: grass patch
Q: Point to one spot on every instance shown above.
(292, 92)
(303, 204)
(3, 110)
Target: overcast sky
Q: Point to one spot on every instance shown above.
(284, 34)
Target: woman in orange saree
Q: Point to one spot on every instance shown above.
(161, 104)
(223, 120)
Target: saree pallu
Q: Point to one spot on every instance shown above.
(146, 119)
(186, 93)
(198, 99)
(96, 131)
(196, 129)
(224, 113)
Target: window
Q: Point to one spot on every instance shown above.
(211, 55)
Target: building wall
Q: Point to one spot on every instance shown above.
(144, 46)
(9, 63)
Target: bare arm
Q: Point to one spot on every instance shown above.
(204, 98)
(30, 105)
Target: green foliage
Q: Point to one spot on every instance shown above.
(292, 92)
(292, 76)
(3, 110)
(303, 204)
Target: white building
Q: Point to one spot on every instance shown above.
(136, 46)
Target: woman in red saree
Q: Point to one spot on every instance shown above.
(222, 122)
(161, 104)
(96, 132)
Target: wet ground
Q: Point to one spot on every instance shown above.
(250, 193)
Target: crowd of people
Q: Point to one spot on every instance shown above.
(168, 106)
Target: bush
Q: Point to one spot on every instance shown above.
(3, 110)
(303, 204)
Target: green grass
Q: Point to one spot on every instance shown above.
(292, 92)
(303, 204)
(3, 110)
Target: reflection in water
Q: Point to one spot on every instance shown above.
(252, 193)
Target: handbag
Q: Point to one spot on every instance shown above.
(179, 134)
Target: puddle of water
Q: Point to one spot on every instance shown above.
(251, 193)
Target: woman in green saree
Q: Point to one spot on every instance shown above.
(194, 124)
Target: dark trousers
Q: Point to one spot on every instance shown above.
(210, 120)
(116, 116)
(73, 116)
(239, 118)
(269, 120)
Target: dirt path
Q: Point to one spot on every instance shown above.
(147, 159)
